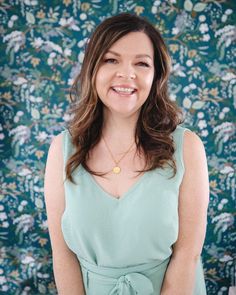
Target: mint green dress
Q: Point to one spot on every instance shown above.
(124, 245)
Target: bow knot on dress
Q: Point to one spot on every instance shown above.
(132, 283)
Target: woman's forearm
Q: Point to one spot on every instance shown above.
(68, 276)
(180, 276)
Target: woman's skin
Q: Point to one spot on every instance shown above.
(122, 68)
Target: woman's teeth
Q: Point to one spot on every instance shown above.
(124, 90)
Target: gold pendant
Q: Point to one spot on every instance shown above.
(116, 169)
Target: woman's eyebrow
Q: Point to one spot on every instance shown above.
(138, 55)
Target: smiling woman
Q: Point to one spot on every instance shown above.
(122, 183)
(125, 77)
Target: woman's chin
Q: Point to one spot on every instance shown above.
(122, 112)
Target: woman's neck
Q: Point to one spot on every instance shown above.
(119, 130)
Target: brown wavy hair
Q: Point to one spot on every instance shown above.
(158, 117)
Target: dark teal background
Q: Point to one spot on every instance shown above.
(41, 52)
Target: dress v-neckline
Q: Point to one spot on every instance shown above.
(124, 195)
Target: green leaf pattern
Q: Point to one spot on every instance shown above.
(42, 50)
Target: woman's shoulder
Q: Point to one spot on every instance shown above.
(187, 134)
(58, 142)
(190, 149)
(193, 147)
(190, 137)
(55, 148)
(193, 143)
(61, 139)
(64, 142)
(188, 141)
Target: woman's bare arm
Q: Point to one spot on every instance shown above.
(193, 203)
(66, 266)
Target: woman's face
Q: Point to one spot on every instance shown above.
(125, 76)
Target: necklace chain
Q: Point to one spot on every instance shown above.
(116, 169)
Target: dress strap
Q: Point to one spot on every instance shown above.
(178, 136)
(67, 147)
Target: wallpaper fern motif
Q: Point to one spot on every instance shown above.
(41, 52)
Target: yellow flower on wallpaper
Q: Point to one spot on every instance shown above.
(45, 110)
(212, 271)
(39, 154)
(40, 14)
(7, 95)
(139, 9)
(85, 6)
(67, 2)
(192, 53)
(214, 92)
(35, 61)
(174, 47)
(43, 242)
(213, 183)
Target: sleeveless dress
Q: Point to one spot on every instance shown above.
(124, 245)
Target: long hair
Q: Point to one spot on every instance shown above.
(158, 117)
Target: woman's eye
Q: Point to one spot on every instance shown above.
(110, 60)
(143, 64)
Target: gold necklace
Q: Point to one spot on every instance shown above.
(117, 168)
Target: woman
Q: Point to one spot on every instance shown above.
(127, 183)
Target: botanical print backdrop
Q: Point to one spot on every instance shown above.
(42, 49)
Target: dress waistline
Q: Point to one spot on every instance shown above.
(126, 280)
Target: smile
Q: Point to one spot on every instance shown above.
(123, 90)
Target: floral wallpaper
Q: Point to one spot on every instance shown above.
(42, 47)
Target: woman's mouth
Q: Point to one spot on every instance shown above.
(124, 90)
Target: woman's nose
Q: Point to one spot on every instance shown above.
(127, 73)
(127, 76)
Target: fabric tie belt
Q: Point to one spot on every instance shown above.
(122, 281)
(136, 281)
